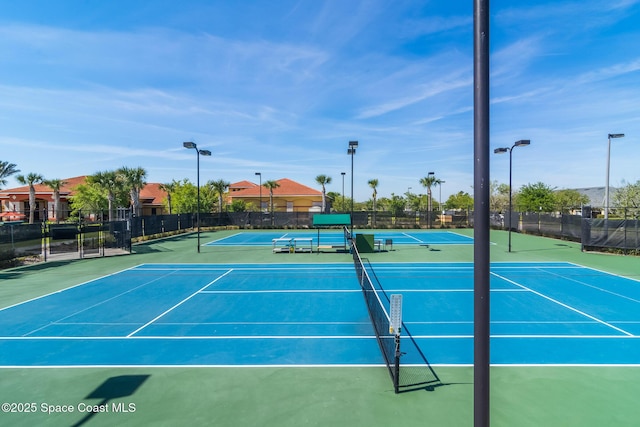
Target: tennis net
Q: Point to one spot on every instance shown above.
(418, 375)
(389, 344)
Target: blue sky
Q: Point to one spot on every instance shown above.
(281, 87)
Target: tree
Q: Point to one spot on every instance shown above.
(31, 180)
(6, 170)
(271, 185)
(55, 185)
(536, 197)
(565, 200)
(109, 182)
(499, 197)
(373, 183)
(185, 197)
(239, 206)
(219, 188)
(628, 198)
(323, 180)
(460, 200)
(428, 182)
(169, 188)
(396, 204)
(89, 198)
(133, 180)
(339, 203)
(416, 202)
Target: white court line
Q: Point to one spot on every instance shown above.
(191, 337)
(263, 323)
(564, 305)
(590, 286)
(605, 272)
(224, 238)
(448, 337)
(258, 267)
(414, 238)
(461, 235)
(450, 290)
(330, 365)
(178, 304)
(70, 287)
(287, 291)
(96, 304)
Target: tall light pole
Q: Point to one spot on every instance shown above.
(430, 195)
(440, 196)
(260, 208)
(343, 174)
(352, 151)
(521, 143)
(606, 188)
(198, 154)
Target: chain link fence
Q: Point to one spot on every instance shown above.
(45, 241)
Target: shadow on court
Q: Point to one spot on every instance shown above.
(21, 271)
(113, 388)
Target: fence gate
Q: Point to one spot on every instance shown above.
(87, 240)
(62, 238)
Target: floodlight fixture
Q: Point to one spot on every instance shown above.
(606, 188)
(501, 150)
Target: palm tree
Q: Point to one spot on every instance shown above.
(323, 180)
(108, 181)
(55, 185)
(373, 183)
(169, 188)
(134, 181)
(6, 170)
(429, 181)
(30, 180)
(219, 187)
(271, 185)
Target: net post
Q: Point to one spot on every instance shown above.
(396, 365)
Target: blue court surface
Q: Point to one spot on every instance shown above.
(315, 315)
(332, 237)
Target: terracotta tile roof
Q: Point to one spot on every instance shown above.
(43, 191)
(151, 193)
(287, 188)
(237, 186)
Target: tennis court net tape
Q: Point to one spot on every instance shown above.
(417, 375)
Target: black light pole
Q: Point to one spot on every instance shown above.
(343, 174)
(481, 261)
(198, 154)
(440, 201)
(522, 142)
(430, 195)
(352, 150)
(606, 188)
(260, 209)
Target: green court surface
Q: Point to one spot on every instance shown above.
(308, 396)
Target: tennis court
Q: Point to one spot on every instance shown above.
(332, 237)
(240, 336)
(314, 315)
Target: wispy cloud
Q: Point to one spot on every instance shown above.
(423, 92)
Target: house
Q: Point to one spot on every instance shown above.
(152, 199)
(290, 196)
(15, 201)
